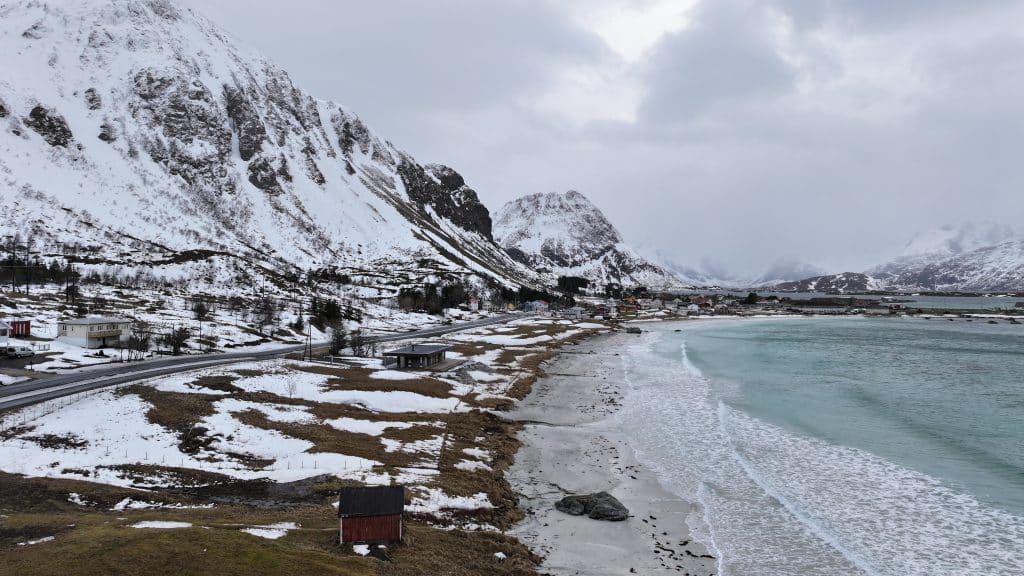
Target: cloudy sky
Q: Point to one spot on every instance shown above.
(730, 132)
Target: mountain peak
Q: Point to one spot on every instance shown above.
(565, 234)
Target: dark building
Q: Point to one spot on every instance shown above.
(371, 514)
(417, 355)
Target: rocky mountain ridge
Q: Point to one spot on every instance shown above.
(138, 131)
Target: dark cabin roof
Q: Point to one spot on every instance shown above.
(371, 501)
(418, 350)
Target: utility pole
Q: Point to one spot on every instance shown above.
(309, 341)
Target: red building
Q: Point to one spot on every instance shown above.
(371, 514)
(21, 328)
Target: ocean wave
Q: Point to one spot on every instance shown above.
(886, 518)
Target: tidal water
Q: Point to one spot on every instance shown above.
(838, 446)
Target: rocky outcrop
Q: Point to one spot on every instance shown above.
(92, 99)
(107, 133)
(246, 121)
(444, 190)
(598, 506)
(50, 125)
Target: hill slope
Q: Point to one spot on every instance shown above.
(138, 130)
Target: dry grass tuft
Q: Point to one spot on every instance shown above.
(178, 412)
(361, 379)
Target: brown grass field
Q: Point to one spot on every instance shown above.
(95, 540)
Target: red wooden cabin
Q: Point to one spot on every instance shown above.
(21, 327)
(371, 514)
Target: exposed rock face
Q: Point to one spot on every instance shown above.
(444, 190)
(598, 506)
(3, 110)
(566, 235)
(107, 133)
(92, 99)
(248, 126)
(50, 125)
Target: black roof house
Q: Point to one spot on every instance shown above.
(371, 501)
(418, 355)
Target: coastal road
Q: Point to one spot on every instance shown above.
(35, 391)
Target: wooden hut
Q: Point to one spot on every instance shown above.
(371, 514)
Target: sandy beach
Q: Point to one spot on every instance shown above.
(571, 445)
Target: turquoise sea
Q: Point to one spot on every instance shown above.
(838, 446)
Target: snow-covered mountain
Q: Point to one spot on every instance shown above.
(984, 257)
(704, 274)
(985, 269)
(708, 274)
(564, 234)
(845, 282)
(950, 240)
(141, 131)
(971, 256)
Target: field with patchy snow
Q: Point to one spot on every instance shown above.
(259, 449)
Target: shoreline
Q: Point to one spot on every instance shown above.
(570, 444)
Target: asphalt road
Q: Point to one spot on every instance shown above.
(43, 389)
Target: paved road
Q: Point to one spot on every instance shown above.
(35, 391)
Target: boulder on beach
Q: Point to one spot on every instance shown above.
(599, 506)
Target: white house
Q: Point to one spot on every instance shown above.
(5, 332)
(536, 306)
(94, 332)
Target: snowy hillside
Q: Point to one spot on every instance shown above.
(986, 269)
(971, 257)
(845, 282)
(138, 132)
(566, 235)
(984, 257)
(950, 240)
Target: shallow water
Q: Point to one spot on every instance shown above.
(845, 446)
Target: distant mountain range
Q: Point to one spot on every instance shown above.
(983, 257)
(708, 274)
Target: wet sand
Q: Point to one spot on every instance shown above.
(571, 445)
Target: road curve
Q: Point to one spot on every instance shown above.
(35, 391)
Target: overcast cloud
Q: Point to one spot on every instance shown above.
(733, 132)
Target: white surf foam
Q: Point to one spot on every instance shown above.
(888, 519)
(780, 503)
